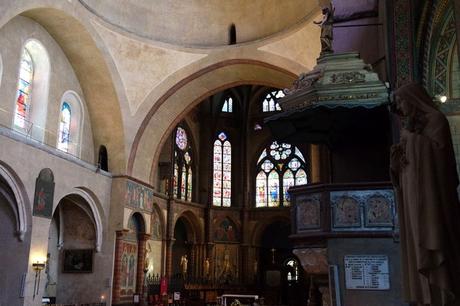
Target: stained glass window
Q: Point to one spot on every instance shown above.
(183, 163)
(222, 171)
(270, 102)
(228, 105)
(64, 127)
(26, 74)
(280, 166)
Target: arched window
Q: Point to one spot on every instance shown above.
(24, 94)
(222, 171)
(279, 167)
(183, 179)
(270, 103)
(292, 270)
(32, 92)
(70, 123)
(64, 127)
(228, 105)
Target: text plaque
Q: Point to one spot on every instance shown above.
(367, 272)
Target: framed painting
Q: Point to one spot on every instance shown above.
(78, 261)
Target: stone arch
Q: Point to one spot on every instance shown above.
(263, 225)
(162, 224)
(192, 223)
(139, 217)
(21, 199)
(95, 213)
(176, 102)
(90, 61)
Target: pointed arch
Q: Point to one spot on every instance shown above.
(222, 171)
(279, 166)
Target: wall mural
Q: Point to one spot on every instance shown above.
(128, 268)
(156, 226)
(44, 193)
(226, 231)
(226, 262)
(138, 196)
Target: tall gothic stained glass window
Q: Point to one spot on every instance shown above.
(279, 167)
(227, 107)
(64, 127)
(222, 171)
(270, 102)
(183, 173)
(26, 74)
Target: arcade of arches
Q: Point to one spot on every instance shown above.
(139, 147)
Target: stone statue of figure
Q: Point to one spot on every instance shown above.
(423, 172)
(326, 25)
(206, 267)
(148, 250)
(256, 267)
(184, 265)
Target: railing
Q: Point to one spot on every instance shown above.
(331, 210)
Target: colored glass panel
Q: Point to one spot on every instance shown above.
(182, 183)
(267, 166)
(299, 154)
(64, 127)
(228, 105)
(175, 180)
(222, 178)
(189, 185)
(294, 164)
(301, 177)
(181, 138)
(261, 189)
(273, 189)
(288, 181)
(26, 72)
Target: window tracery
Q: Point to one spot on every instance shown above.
(183, 173)
(227, 107)
(279, 167)
(270, 102)
(222, 171)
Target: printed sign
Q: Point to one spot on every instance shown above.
(367, 272)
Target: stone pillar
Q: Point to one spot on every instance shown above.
(457, 20)
(169, 247)
(315, 164)
(117, 266)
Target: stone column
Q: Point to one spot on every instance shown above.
(315, 163)
(117, 266)
(169, 247)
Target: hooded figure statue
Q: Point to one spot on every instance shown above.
(424, 175)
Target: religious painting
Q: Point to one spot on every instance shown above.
(346, 212)
(226, 231)
(44, 193)
(138, 196)
(78, 261)
(309, 212)
(156, 226)
(128, 268)
(379, 211)
(226, 262)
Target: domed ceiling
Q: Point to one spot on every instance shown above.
(201, 23)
